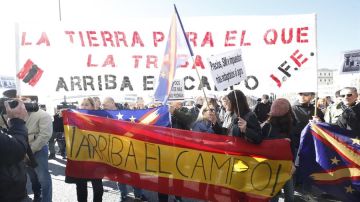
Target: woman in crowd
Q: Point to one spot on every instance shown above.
(207, 120)
(278, 126)
(239, 120)
(81, 184)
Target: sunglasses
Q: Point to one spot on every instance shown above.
(211, 109)
(304, 94)
(347, 95)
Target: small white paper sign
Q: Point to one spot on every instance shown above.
(177, 90)
(227, 68)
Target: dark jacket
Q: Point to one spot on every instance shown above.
(253, 130)
(58, 125)
(262, 111)
(350, 119)
(271, 132)
(302, 114)
(13, 146)
(182, 119)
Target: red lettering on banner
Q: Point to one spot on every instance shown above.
(92, 39)
(271, 35)
(242, 41)
(272, 40)
(23, 40)
(296, 57)
(158, 37)
(286, 41)
(137, 60)
(107, 37)
(136, 40)
(301, 33)
(151, 59)
(82, 39)
(89, 64)
(109, 61)
(43, 39)
(192, 36)
(198, 62)
(208, 40)
(183, 57)
(71, 35)
(120, 36)
(229, 36)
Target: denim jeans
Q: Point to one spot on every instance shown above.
(42, 171)
(123, 190)
(35, 184)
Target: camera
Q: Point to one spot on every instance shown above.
(66, 105)
(30, 107)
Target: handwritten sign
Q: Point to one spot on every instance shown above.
(227, 69)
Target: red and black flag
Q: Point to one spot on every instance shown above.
(30, 73)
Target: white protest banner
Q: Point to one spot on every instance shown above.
(351, 62)
(125, 56)
(177, 90)
(227, 69)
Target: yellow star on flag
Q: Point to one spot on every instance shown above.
(334, 160)
(349, 189)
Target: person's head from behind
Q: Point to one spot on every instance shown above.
(109, 104)
(238, 103)
(322, 103)
(349, 95)
(265, 98)
(97, 102)
(280, 115)
(305, 97)
(87, 103)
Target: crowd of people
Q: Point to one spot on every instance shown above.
(228, 115)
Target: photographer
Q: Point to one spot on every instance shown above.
(13, 146)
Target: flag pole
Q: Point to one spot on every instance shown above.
(60, 10)
(191, 54)
(317, 80)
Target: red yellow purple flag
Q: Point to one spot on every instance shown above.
(177, 52)
(191, 164)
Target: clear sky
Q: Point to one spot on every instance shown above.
(338, 21)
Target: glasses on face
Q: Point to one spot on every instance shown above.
(211, 110)
(304, 94)
(346, 95)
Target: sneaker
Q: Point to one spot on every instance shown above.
(52, 156)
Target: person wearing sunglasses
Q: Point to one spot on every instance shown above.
(207, 120)
(304, 110)
(350, 117)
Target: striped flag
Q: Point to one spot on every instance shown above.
(329, 158)
(177, 52)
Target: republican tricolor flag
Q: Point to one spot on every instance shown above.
(177, 52)
(30, 73)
